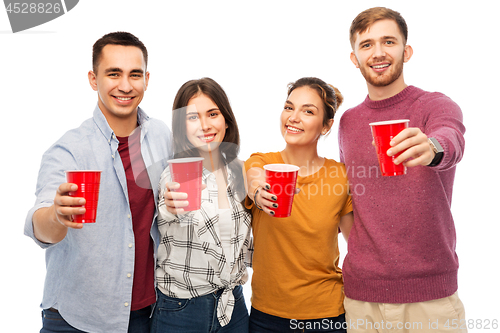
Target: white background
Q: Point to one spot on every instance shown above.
(253, 50)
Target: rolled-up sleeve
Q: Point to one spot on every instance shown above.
(55, 161)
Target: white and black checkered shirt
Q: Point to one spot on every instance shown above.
(191, 260)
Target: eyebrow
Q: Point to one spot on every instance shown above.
(113, 69)
(304, 105)
(140, 71)
(196, 113)
(369, 40)
(310, 105)
(119, 70)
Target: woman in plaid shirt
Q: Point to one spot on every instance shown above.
(201, 257)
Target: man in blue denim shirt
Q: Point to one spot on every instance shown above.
(97, 273)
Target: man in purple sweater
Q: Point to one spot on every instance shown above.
(401, 268)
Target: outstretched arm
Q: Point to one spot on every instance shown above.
(50, 224)
(444, 123)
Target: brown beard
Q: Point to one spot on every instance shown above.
(386, 78)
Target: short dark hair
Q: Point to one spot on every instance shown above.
(116, 38)
(367, 18)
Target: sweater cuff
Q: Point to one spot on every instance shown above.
(450, 158)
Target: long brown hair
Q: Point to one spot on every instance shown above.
(230, 146)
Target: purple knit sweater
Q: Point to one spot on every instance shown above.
(401, 248)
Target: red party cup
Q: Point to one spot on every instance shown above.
(88, 182)
(282, 178)
(383, 132)
(188, 173)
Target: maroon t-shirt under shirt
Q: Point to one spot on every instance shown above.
(142, 206)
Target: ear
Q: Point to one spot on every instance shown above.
(147, 81)
(354, 59)
(407, 53)
(93, 80)
(327, 127)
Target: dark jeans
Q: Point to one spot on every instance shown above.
(53, 322)
(261, 322)
(198, 314)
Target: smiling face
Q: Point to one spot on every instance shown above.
(205, 124)
(302, 117)
(120, 81)
(379, 53)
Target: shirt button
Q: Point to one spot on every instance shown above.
(126, 304)
(128, 215)
(113, 156)
(130, 245)
(129, 275)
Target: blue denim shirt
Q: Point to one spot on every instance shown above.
(90, 272)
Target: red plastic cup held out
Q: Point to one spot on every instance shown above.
(188, 173)
(383, 132)
(282, 178)
(88, 182)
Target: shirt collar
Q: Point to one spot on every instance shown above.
(102, 123)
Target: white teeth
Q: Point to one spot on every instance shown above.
(293, 129)
(207, 138)
(381, 66)
(124, 98)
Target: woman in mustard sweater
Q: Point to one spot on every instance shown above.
(296, 282)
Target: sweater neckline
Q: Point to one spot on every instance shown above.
(309, 178)
(391, 100)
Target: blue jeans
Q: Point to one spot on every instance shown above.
(53, 322)
(198, 315)
(261, 322)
